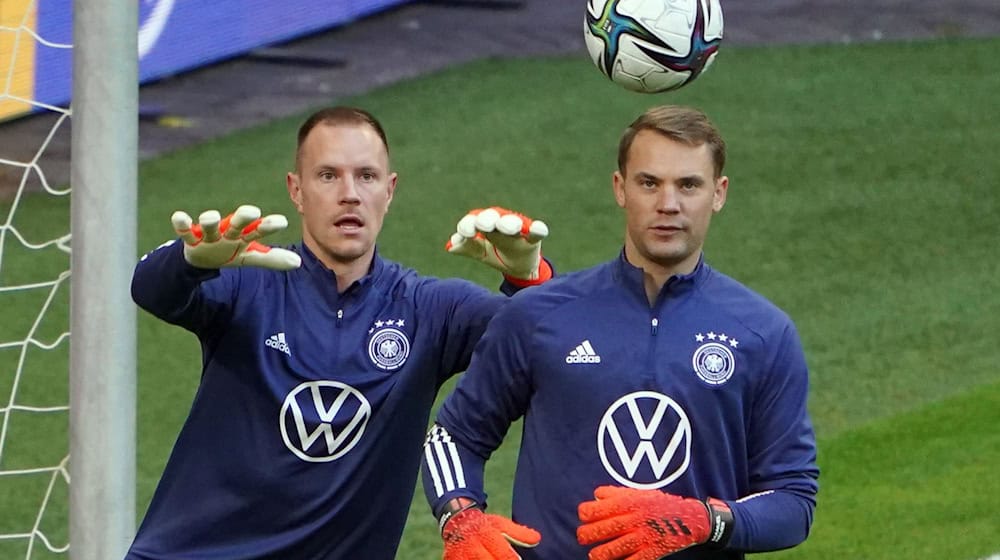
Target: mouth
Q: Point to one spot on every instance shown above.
(349, 223)
(666, 229)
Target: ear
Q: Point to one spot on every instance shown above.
(618, 185)
(719, 197)
(391, 189)
(294, 190)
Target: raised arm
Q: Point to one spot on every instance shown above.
(172, 281)
(506, 241)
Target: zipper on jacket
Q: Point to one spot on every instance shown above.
(340, 316)
(649, 365)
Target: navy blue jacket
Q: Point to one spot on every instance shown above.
(304, 438)
(702, 394)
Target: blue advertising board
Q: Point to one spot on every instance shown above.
(178, 35)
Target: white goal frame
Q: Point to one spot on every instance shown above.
(104, 171)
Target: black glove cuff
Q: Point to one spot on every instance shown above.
(721, 526)
(453, 507)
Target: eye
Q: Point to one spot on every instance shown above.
(326, 175)
(368, 177)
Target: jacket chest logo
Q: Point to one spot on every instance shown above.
(388, 346)
(322, 420)
(714, 361)
(644, 440)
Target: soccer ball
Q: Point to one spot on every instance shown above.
(652, 46)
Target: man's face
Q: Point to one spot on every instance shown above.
(342, 188)
(669, 193)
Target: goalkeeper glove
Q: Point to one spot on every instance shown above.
(649, 524)
(216, 242)
(470, 534)
(505, 240)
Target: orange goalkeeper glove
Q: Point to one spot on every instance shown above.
(649, 524)
(217, 242)
(470, 534)
(505, 240)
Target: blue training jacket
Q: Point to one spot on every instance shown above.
(304, 438)
(702, 394)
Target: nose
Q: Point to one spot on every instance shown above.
(669, 200)
(348, 191)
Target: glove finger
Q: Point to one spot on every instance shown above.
(514, 232)
(209, 222)
(603, 509)
(525, 537)
(467, 226)
(608, 491)
(486, 221)
(496, 545)
(510, 224)
(182, 226)
(264, 226)
(521, 535)
(455, 243)
(604, 529)
(537, 231)
(232, 227)
(516, 224)
(618, 549)
(270, 257)
(272, 223)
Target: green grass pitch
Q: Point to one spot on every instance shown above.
(863, 200)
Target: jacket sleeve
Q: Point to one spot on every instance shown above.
(475, 417)
(783, 472)
(165, 285)
(467, 308)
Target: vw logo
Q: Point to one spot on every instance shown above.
(322, 420)
(644, 440)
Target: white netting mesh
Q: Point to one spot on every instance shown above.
(34, 303)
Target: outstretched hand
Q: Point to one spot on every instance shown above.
(505, 240)
(217, 242)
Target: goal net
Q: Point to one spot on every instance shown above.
(34, 299)
(41, 404)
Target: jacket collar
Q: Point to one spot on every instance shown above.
(317, 270)
(632, 277)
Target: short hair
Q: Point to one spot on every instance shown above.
(682, 124)
(339, 115)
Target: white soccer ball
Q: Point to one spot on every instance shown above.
(652, 46)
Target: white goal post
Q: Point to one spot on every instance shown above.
(102, 315)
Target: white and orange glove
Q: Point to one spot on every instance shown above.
(649, 524)
(507, 241)
(217, 242)
(471, 534)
